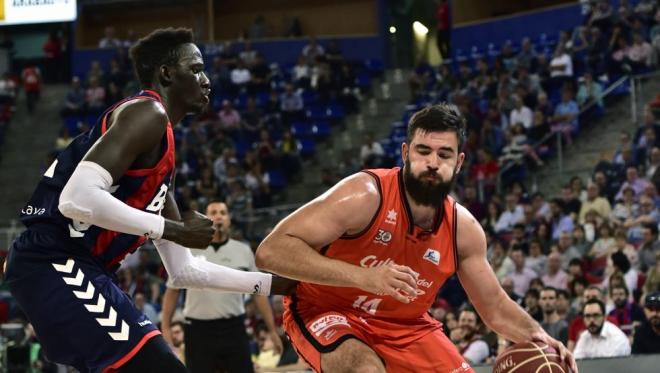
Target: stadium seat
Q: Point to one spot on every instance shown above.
(321, 130)
(301, 130)
(307, 147)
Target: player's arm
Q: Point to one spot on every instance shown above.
(169, 307)
(137, 129)
(292, 249)
(498, 311)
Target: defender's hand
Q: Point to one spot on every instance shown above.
(195, 231)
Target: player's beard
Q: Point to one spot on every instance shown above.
(424, 192)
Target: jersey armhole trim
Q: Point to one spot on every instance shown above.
(454, 235)
(373, 219)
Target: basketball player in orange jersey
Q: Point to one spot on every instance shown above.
(371, 254)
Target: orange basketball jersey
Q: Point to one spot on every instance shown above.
(392, 237)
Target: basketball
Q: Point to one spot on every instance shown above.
(530, 357)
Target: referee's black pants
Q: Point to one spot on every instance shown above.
(220, 345)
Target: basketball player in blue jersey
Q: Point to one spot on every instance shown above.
(105, 194)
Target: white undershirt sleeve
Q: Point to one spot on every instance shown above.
(188, 271)
(86, 198)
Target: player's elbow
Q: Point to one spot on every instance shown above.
(264, 255)
(70, 206)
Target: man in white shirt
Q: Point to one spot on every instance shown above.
(521, 113)
(602, 338)
(469, 341)
(513, 215)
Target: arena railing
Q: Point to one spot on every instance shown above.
(558, 136)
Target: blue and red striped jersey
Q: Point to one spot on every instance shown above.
(144, 189)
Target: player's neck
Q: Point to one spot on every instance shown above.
(423, 216)
(175, 112)
(220, 238)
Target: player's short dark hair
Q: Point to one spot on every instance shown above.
(161, 47)
(438, 118)
(176, 323)
(594, 301)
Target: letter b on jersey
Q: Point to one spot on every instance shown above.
(159, 200)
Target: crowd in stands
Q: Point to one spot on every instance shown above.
(598, 239)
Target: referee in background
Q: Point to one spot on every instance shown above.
(215, 336)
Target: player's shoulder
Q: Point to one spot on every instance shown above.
(148, 112)
(361, 186)
(470, 235)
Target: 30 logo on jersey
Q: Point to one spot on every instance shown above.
(383, 237)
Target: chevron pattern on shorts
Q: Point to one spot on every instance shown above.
(87, 294)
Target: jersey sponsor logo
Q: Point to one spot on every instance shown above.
(383, 237)
(324, 322)
(371, 261)
(159, 200)
(145, 322)
(391, 217)
(463, 368)
(432, 256)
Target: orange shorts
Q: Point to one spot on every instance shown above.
(404, 346)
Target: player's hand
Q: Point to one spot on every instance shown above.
(399, 282)
(565, 355)
(195, 231)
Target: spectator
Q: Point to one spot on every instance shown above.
(472, 203)
(556, 277)
(552, 323)
(230, 119)
(521, 275)
(560, 220)
(650, 247)
(63, 140)
(561, 67)
(602, 15)
(647, 214)
(95, 96)
(566, 249)
(639, 54)
(629, 315)
(248, 55)
(288, 149)
(31, 76)
(96, 72)
(626, 208)
(590, 91)
(594, 203)
(178, 346)
(443, 27)
(300, 73)
(74, 103)
(371, 152)
(532, 304)
(527, 56)
(647, 335)
(467, 337)
(512, 215)
(312, 50)
(109, 41)
(258, 183)
(258, 29)
(240, 76)
(260, 75)
(53, 58)
(536, 261)
(602, 247)
(521, 114)
(146, 308)
(633, 180)
(563, 308)
(501, 263)
(291, 104)
(602, 339)
(623, 268)
(565, 119)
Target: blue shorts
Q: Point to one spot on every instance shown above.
(79, 314)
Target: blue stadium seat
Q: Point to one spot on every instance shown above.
(335, 112)
(363, 80)
(375, 66)
(310, 98)
(301, 130)
(321, 130)
(315, 112)
(307, 147)
(276, 179)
